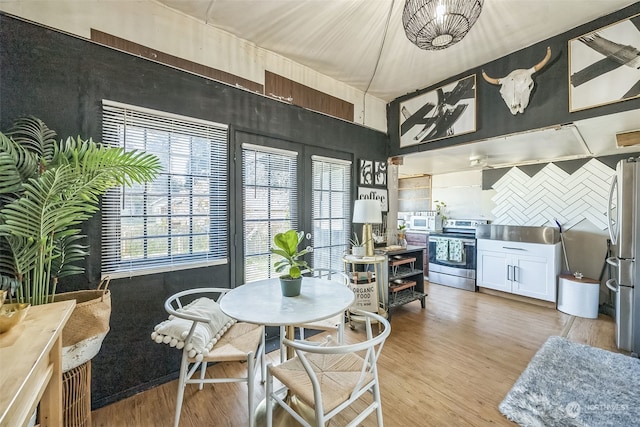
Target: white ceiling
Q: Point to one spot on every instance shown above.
(343, 38)
(346, 40)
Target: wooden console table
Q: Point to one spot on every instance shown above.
(31, 355)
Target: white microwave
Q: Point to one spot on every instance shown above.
(426, 223)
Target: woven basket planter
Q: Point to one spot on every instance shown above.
(76, 400)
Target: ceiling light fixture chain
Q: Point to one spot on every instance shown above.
(438, 24)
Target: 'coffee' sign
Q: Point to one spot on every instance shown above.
(366, 193)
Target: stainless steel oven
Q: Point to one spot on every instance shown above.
(452, 254)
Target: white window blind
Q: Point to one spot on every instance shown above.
(270, 200)
(331, 211)
(179, 220)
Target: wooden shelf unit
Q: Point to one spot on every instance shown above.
(405, 277)
(404, 266)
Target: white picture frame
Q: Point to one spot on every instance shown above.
(598, 73)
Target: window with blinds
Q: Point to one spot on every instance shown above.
(179, 220)
(270, 196)
(331, 211)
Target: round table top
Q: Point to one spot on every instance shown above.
(364, 259)
(262, 302)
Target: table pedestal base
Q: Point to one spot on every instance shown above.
(281, 418)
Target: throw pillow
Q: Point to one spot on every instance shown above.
(175, 330)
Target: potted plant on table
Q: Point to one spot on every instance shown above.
(402, 235)
(358, 248)
(287, 247)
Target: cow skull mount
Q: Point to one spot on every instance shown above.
(516, 86)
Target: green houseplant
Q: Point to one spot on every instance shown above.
(441, 208)
(358, 248)
(402, 235)
(48, 188)
(287, 244)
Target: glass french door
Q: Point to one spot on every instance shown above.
(293, 188)
(331, 202)
(270, 200)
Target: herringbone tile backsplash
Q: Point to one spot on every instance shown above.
(552, 194)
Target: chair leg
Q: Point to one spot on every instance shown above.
(282, 349)
(376, 398)
(302, 334)
(203, 371)
(250, 388)
(184, 366)
(319, 414)
(341, 333)
(269, 401)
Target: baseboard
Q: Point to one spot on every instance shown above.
(520, 298)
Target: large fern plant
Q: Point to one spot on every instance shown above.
(47, 189)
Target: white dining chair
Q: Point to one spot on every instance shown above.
(332, 324)
(329, 378)
(194, 324)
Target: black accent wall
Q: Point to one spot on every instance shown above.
(62, 79)
(549, 102)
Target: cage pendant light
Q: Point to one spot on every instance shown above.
(438, 24)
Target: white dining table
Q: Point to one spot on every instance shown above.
(262, 303)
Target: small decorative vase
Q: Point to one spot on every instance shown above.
(290, 287)
(358, 251)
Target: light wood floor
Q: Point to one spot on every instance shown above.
(451, 363)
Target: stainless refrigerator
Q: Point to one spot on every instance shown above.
(624, 230)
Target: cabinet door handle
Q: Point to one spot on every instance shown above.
(516, 273)
(509, 272)
(513, 249)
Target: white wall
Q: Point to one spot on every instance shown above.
(154, 25)
(462, 192)
(586, 244)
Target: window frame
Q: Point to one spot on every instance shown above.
(187, 132)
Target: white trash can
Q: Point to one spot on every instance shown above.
(578, 297)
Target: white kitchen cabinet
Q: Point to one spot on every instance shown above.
(527, 269)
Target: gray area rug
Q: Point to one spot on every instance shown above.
(569, 384)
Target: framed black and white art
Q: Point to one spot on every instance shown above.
(603, 65)
(366, 172)
(380, 173)
(447, 111)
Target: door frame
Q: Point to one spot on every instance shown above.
(305, 197)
